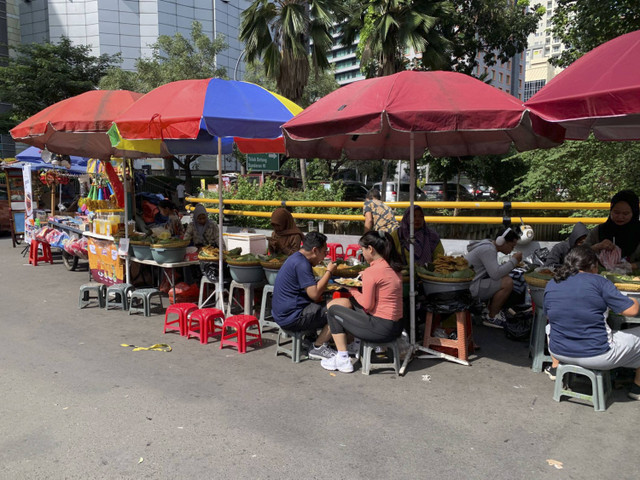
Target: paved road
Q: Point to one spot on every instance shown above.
(77, 405)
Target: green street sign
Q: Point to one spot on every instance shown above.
(263, 162)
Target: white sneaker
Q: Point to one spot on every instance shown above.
(337, 363)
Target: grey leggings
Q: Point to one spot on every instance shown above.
(362, 325)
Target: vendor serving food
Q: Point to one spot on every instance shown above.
(492, 282)
(202, 231)
(286, 236)
(622, 229)
(427, 245)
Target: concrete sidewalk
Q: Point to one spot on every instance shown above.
(77, 405)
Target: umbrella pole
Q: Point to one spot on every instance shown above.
(415, 346)
(125, 162)
(220, 296)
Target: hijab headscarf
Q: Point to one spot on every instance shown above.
(426, 240)
(626, 236)
(286, 236)
(197, 228)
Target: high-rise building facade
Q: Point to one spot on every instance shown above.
(541, 47)
(508, 77)
(129, 27)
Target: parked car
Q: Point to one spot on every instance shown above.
(482, 192)
(434, 192)
(400, 192)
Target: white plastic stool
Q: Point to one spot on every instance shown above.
(264, 322)
(248, 296)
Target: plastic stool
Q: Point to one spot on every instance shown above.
(295, 352)
(201, 324)
(240, 325)
(332, 251)
(352, 251)
(538, 340)
(120, 292)
(600, 386)
(248, 296)
(34, 256)
(144, 295)
(85, 294)
(368, 348)
(462, 345)
(182, 310)
(264, 323)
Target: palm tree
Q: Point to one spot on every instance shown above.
(282, 32)
(388, 27)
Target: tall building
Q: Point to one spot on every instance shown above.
(343, 58)
(9, 36)
(508, 77)
(129, 27)
(541, 47)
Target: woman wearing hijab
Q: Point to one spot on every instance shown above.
(427, 245)
(202, 231)
(621, 229)
(286, 237)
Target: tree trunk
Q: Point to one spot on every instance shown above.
(169, 170)
(303, 172)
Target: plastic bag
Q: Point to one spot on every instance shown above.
(538, 257)
(449, 302)
(519, 323)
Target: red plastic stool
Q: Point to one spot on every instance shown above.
(201, 324)
(339, 294)
(352, 250)
(182, 310)
(34, 258)
(332, 251)
(240, 324)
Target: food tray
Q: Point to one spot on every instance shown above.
(237, 263)
(444, 279)
(628, 287)
(348, 282)
(176, 244)
(272, 265)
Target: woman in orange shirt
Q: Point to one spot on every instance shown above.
(373, 314)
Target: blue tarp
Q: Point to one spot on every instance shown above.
(32, 155)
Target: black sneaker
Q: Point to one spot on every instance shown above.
(634, 392)
(551, 372)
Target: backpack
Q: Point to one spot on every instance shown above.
(518, 325)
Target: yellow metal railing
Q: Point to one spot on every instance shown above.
(507, 207)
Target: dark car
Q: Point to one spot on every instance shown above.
(435, 192)
(353, 191)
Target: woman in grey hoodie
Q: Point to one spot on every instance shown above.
(492, 281)
(560, 250)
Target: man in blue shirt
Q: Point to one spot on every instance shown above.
(296, 293)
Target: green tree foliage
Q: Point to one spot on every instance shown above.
(173, 58)
(586, 171)
(273, 189)
(581, 26)
(39, 75)
(280, 33)
(386, 28)
(497, 29)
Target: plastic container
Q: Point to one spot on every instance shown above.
(142, 252)
(253, 274)
(271, 274)
(168, 255)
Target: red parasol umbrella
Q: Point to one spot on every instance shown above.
(599, 93)
(402, 115)
(77, 125)
(450, 114)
